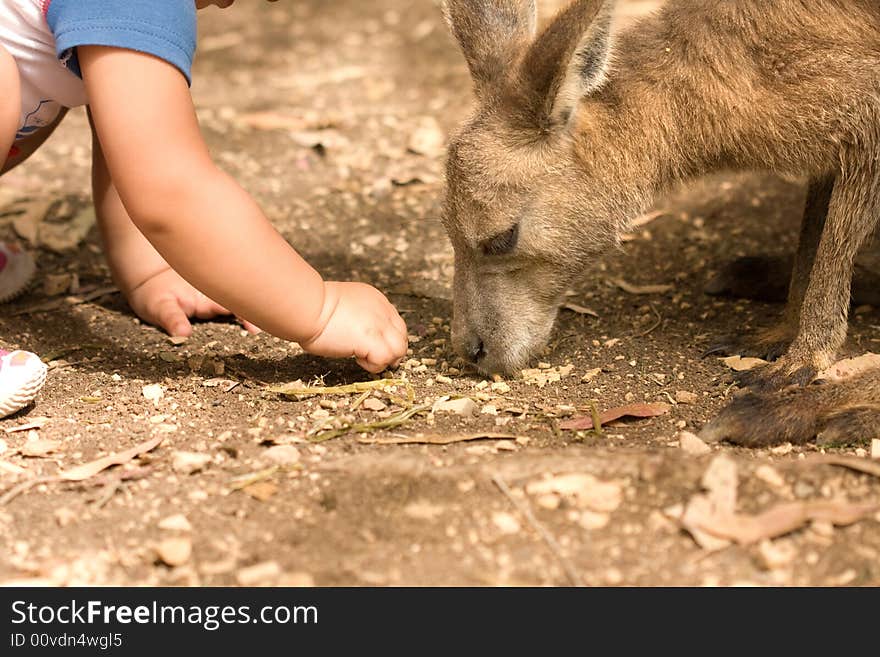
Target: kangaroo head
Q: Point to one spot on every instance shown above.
(526, 207)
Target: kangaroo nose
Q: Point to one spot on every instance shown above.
(475, 350)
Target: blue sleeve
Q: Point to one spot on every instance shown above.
(163, 28)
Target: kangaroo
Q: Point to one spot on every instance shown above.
(576, 130)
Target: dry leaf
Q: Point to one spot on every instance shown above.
(580, 310)
(35, 423)
(39, 448)
(865, 466)
(778, 521)
(631, 410)
(261, 490)
(740, 364)
(850, 367)
(81, 472)
(629, 288)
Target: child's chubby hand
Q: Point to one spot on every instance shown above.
(168, 301)
(357, 320)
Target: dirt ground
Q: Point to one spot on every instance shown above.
(334, 118)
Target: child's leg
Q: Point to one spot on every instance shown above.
(22, 373)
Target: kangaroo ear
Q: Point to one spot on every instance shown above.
(493, 34)
(569, 60)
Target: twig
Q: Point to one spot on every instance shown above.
(109, 491)
(551, 542)
(597, 421)
(360, 386)
(387, 423)
(18, 489)
(653, 326)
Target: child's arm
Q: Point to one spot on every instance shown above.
(155, 291)
(209, 229)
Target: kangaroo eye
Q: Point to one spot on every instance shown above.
(501, 244)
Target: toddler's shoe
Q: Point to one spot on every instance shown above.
(17, 268)
(22, 374)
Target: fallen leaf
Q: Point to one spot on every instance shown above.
(850, 367)
(35, 423)
(740, 364)
(437, 439)
(82, 472)
(631, 410)
(261, 490)
(629, 288)
(39, 448)
(777, 521)
(865, 466)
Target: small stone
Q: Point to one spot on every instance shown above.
(373, 404)
(691, 444)
(506, 522)
(174, 551)
(593, 519)
(590, 375)
(685, 397)
(282, 454)
(261, 574)
(774, 555)
(783, 449)
(770, 476)
(64, 516)
(176, 523)
(500, 387)
(153, 393)
(489, 409)
(177, 340)
(297, 580)
(189, 462)
(875, 448)
(465, 407)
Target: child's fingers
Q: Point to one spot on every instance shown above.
(170, 316)
(253, 329)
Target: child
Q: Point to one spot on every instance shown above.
(182, 238)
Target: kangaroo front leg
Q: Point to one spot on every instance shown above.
(822, 323)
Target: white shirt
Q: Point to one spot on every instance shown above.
(46, 83)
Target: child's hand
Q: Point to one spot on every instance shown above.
(359, 321)
(168, 301)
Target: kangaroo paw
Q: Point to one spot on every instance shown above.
(755, 420)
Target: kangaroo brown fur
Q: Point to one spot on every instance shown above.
(572, 137)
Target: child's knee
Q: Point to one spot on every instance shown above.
(10, 102)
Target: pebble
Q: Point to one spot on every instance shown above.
(189, 462)
(691, 444)
(174, 551)
(261, 574)
(282, 454)
(175, 523)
